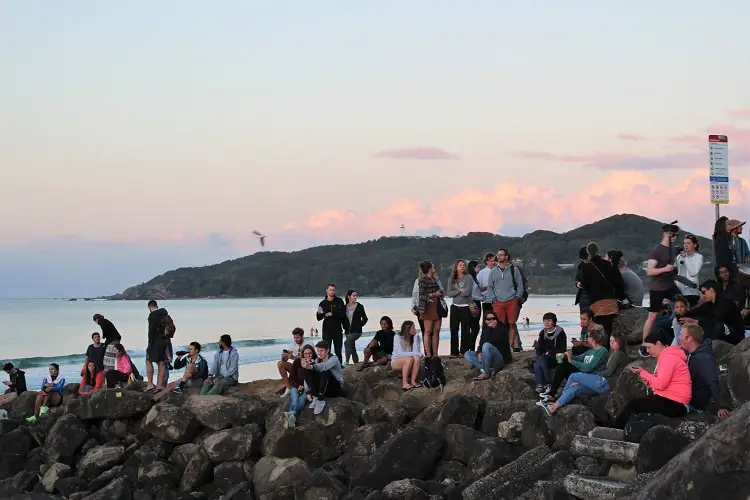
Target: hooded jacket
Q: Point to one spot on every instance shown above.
(109, 332)
(498, 337)
(600, 280)
(552, 342)
(671, 379)
(704, 376)
(337, 322)
(57, 385)
(155, 326)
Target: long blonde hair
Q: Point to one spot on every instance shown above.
(454, 272)
(407, 338)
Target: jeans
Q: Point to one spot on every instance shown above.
(491, 359)
(350, 347)
(220, 385)
(542, 366)
(582, 383)
(460, 317)
(562, 371)
(297, 400)
(474, 326)
(335, 340)
(677, 328)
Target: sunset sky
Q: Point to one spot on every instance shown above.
(136, 137)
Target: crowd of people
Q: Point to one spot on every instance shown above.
(684, 316)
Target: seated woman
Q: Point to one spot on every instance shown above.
(407, 355)
(297, 394)
(92, 380)
(551, 342)
(380, 347)
(681, 308)
(593, 383)
(494, 348)
(323, 378)
(50, 394)
(671, 384)
(588, 325)
(591, 361)
(124, 368)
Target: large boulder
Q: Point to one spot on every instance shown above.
(508, 385)
(460, 442)
(273, 475)
(181, 455)
(489, 454)
(171, 423)
(99, 459)
(738, 368)
(715, 466)
(119, 489)
(23, 405)
(64, 440)
(628, 386)
(460, 410)
(363, 444)
(158, 472)
(321, 485)
(413, 453)
(17, 442)
(657, 447)
(629, 324)
(198, 471)
(316, 438)
(236, 443)
(229, 474)
(214, 412)
(111, 403)
(54, 473)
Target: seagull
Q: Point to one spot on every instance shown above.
(261, 237)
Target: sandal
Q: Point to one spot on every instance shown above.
(417, 386)
(364, 365)
(405, 389)
(481, 377)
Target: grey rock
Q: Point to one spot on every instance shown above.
(272, 474)
(171, 424)
(98, 460)
(54, 473)
(64, 440)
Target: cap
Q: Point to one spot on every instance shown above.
(734, 224)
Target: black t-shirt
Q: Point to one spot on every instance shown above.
(663, 255)
(96, 354)
(385, 341)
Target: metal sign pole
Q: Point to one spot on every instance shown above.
(718, 171)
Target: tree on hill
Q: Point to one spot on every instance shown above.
(388, 266)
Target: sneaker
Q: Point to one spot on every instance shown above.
(540, 389)
(285, 393)
(643, 351)
(313, 403)
(177, 390)
(31, 419)
(43, 410)
(543, 405)
(344, 364)
(320, 404)
(545, 397)
(291, 420)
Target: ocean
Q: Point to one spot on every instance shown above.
(36, 332)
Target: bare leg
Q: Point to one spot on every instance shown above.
(649, 323)
(149, 375)
(382, 361)
(403, 365)
(39, 403)
(428, 337)
(414, 361)
(513, 335)
(284, 375)
(436, 336)
(161, 373)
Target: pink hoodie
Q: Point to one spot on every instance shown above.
(671, 379)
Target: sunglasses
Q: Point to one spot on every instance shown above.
(490, 318)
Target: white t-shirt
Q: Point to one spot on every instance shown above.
(483, 277)
(296, 349)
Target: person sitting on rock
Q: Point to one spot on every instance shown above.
(289, 356)
(704, 375)
(93, 379)
(551, 342)
(593, 383)
(380, 347)
(681, 308)
(591, 361)
(298, 395)
(588, 326)
(95, 353)
(407, 355)
(50, 393)
(494, 351)
(323, 378)
(670, 383)
(225, 369)
(718, 315)
(196, 369)
(123, 368)
(17, 379)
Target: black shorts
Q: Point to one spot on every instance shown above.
(656, 297)
(157, 352)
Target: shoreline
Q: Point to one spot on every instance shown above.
(114, 298)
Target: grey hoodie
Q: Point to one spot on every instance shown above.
(454, 290)
(500, 284)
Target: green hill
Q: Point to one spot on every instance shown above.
(388, 266)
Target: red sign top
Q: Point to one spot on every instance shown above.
(717, 138)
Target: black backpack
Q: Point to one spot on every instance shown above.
(434, 375)
(525, 294)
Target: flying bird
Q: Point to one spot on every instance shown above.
(261, 237)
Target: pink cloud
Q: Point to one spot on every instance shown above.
(742, 113)
(630, 137)
(419, 153)
(689, 139)
(507, 205)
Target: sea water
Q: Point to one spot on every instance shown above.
(37, 332)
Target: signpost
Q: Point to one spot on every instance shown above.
(718, 160)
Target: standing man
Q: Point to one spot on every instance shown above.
(660, 267)
(95, 353)
(109, 331)
(288, 356)
(156, 352)
(505, 289)
(332, 311)
(741, 251)
(483, 277)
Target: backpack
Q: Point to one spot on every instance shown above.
(169, 326)
(434, 375)
(525, 294)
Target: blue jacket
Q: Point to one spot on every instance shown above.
(705, 378)
(57, 385)
(232, 367)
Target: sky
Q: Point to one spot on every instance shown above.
(142, 136)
